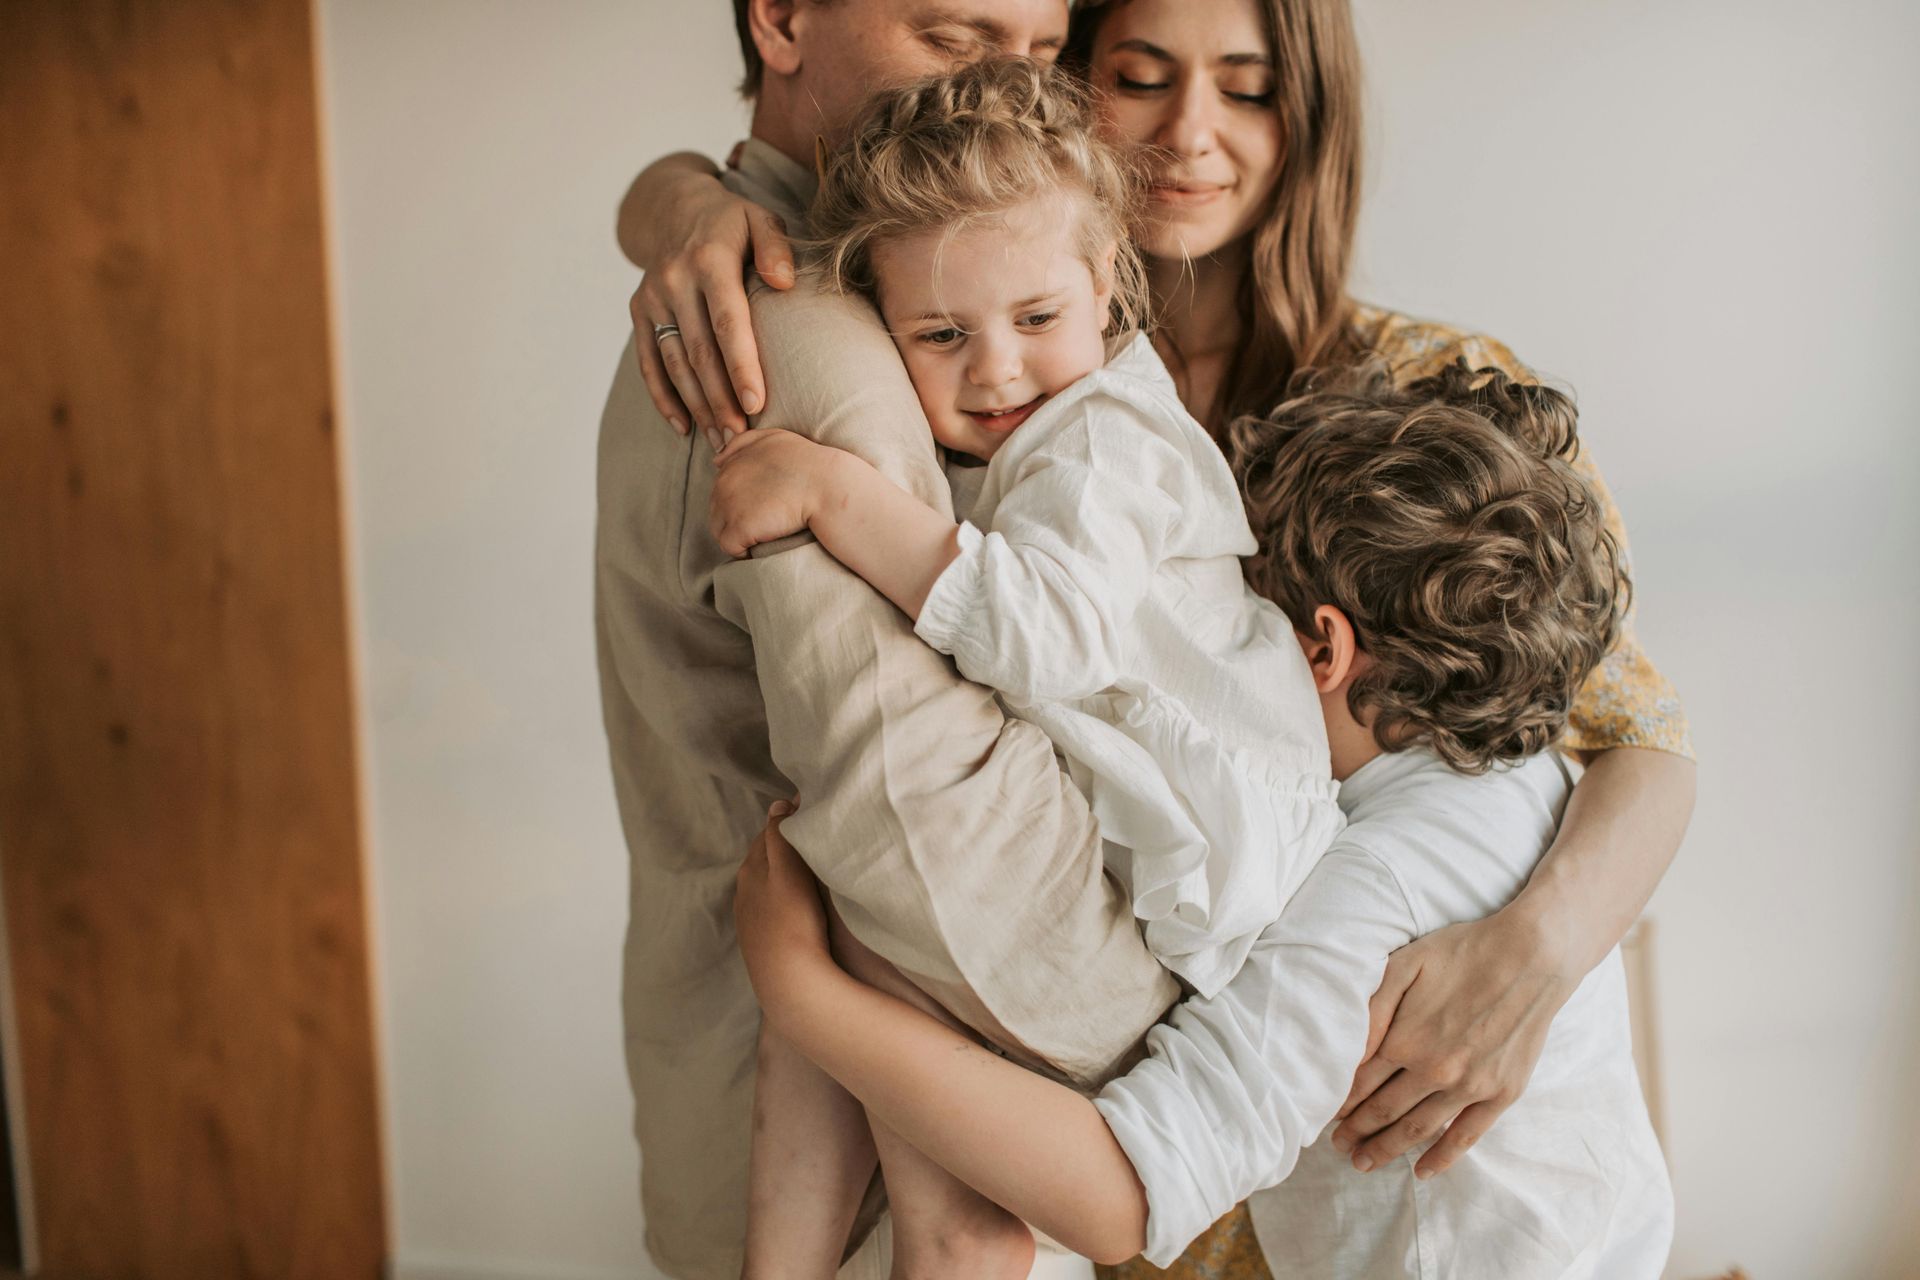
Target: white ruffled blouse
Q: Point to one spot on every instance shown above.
(1098, 589)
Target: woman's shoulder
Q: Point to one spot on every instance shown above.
(1413, 348)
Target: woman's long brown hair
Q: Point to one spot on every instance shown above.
(1294, 307)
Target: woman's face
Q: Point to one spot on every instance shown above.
(1194, 79)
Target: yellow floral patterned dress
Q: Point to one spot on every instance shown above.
(1626, 702)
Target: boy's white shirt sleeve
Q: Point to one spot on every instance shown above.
(1236, 1086)
(1038, 607)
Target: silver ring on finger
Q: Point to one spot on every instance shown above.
(664, 331)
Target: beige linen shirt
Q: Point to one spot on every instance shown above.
(952, 843)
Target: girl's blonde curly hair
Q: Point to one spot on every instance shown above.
(952, 150)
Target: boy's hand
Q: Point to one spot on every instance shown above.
(779, 916)
(768, 486)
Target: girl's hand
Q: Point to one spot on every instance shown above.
(769, 485)
(709, 372)
(779, 916)
(1455, 1031)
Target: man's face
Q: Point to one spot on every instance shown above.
(850, 48)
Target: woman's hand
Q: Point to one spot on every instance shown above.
(779, 916)
(768, 485)
(709, 372)
(1454, 1033)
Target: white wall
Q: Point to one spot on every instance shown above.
(1698, 214)
(478, 149)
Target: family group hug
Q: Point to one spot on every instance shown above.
(1119, 742)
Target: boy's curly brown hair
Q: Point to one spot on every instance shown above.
(1446, 520)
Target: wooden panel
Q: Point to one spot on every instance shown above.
(178, 818)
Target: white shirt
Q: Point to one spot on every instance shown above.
(1105, 602)
(1239, 1091)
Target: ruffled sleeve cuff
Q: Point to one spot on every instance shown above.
(953, 601)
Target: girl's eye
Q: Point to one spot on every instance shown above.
(940, 337)
(1039, 319)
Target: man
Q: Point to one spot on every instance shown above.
(953, 845)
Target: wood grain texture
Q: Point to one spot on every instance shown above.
(178, 813)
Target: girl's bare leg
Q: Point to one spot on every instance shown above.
(810, 1160)
(941, 1226)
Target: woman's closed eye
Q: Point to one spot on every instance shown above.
(1145, 88)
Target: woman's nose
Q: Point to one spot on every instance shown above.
(1193, 118)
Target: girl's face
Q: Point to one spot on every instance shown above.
(1194, 79)
(994, 319)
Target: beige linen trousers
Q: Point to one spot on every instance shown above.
(950, 840)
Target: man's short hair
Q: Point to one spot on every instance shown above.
(1445, 518)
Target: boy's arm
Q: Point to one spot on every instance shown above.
(1235, 1087)
(1031, 1145)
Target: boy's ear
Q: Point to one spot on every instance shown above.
(771, 22)
(1333, 652)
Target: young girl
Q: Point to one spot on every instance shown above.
(1096, 583)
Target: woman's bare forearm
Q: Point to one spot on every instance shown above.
(1036, 1148)
(1622, 827)
(636, 227)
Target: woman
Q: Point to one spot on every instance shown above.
(1253, 107)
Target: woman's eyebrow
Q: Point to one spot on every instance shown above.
(1225, 60)
(1151, 50)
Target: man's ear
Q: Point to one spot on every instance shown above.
(771, 23)
(1333, 652)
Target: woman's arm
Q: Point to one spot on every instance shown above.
(691, 236)
(666, 184)
(1462, 1015)
(1035, 1147)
